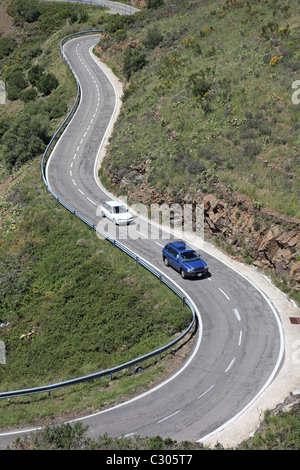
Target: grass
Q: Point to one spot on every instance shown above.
(87, 306)
(207, 107)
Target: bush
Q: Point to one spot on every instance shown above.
(17, 80)
(35, 74)
(26, 138)
(134, 60)
(6, 46)
(28, 10)
(13, 94)
(152, 4)
(116, 22)
(63, 437)
(47, 83)
(28, 95)
(153, 38)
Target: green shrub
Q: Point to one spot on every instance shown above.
(153, 4)
(26, 138)
(47, 83)
(35, 74)
(6, 46)
(134, 60)
(28, 95)
(28, 10)
(153, 38)
(17, 80)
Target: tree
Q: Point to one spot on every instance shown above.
(47, 83)
(17, 80)
(26, 9)
(27, 136)
(6, 46)
(152, 4)
(35, 74)
(28, 95)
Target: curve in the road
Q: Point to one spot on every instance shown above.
(241, 345)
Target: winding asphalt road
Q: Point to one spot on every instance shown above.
(239, 344)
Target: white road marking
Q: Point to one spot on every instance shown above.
(230, 365)
(204, 393)
(91, 201)
(146, 236)
(224, 294)
(240, 338)
(168, 417)
(236, 312)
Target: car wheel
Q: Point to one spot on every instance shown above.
(166, 261)
(183, 275)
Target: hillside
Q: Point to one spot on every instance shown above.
(70, 303)
(208, 118)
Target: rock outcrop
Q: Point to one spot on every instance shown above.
(272, 241)
(269, 240)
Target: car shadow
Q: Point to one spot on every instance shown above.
(201, 278)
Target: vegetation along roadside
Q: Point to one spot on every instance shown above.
(207, 117)
(70, 303)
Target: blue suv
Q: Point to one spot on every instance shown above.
(184, 260)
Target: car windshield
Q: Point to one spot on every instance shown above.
(119, 210)
(190, 256)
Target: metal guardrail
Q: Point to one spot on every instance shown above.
(116, 243)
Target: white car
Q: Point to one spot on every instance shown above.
(116, 212)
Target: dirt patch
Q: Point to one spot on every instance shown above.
(6, 22)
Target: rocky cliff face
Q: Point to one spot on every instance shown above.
(270, 240)
(252, 233)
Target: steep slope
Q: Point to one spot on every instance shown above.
(208, 117)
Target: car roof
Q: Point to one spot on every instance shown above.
(179, 245)
(113, 203)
